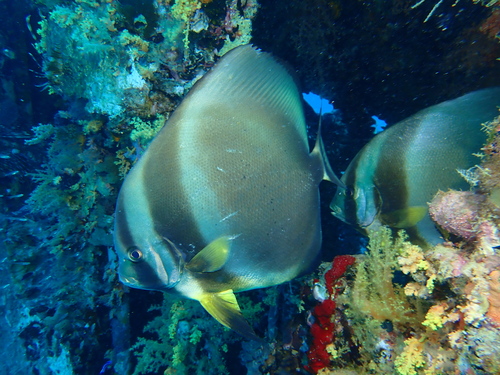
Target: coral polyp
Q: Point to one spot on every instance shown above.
(457, 212)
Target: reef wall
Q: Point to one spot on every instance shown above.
(110, 73)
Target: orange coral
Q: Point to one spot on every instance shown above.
(491, 26)
(494, 297)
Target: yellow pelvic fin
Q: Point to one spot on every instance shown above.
(212, 257)
(495, 197)
(224, 307)
(405, 217)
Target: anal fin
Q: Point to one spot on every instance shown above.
(224, 307)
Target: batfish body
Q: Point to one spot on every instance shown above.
(392, 179)
(225, 198)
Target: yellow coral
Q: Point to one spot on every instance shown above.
(243, 23)
(435, 317)
(411, 359)
(412, 259)
(127, 39)
(145, 131)
(183, 10)
(416, 290)
(430, 283)
(382, 300)
(334, 353)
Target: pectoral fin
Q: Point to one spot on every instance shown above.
(224, 307)
(495, 197)
(212, 257)
(404, 218)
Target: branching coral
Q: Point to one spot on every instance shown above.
(122, 61)
(411, 359)
(179, 336)
(426, 326)
(240, 22)
(374, 292)
(144, 131)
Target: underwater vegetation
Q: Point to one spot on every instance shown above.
(432, 311)
(116, 70)
(121, 72)
(394, 176)
(137, 57)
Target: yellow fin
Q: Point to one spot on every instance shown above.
(405, 217)
(224, 307)
(212, 257)
(495, 197)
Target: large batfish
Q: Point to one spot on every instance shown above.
(225, 199)
(392, 179)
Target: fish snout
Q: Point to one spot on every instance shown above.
(146, 271)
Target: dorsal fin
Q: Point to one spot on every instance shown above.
(248, 76)
(319, 153)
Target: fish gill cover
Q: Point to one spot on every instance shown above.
(85, 87)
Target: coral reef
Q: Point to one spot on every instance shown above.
(426, 326)
(134, 61)
(115, 70)
(323, 327)
(411, 311)
(58, 255)
(121, 68)
(181, 342)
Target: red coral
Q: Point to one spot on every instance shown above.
(317, 355)
(322, 335)
(322, 330)
(339, 266)
(323, 312)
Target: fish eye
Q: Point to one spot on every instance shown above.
(134, 254)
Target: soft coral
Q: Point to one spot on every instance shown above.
(322, 329)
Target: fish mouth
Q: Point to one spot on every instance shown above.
(338, 213)
(143, 276)
(131, 282)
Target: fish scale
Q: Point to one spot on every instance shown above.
(230, 175)
(392, 178)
